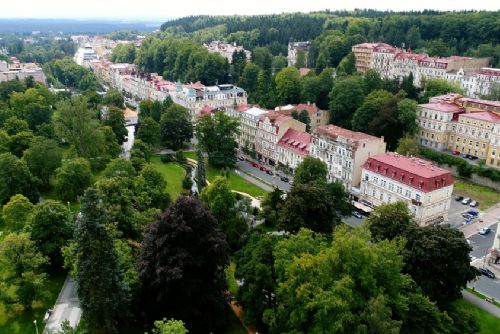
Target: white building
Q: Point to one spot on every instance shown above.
(249, 117)
(425, 188)
(227, 50)
(344, 151)
(84, 55)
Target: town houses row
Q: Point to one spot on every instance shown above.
(15, 70)
(473, 74)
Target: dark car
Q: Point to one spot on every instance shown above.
(284, 179)
(262, 168)
(487, 272)
(472, 157)
(254, 164)
(466, 215)
(459, 198)
(240, 158)
(473, 213)
(270, 172)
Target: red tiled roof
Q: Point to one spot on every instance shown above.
(490, 71)
(442, 106)
(334, 131)
(414, 172)
(483, 116)
(296, 141)
(304, 71)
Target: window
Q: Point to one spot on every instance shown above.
(417, 197)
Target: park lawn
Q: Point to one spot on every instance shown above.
(232, 286)
(24, 323)
(190, 154)
(172, 173)
(488, 323)
(236, 182)
(486, 197)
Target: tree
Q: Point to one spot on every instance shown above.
(304, 118)
(181, 266)
(222, 201)
(310, 170)
(49, 227)
(409, 87)
(169, 327)
(113, 98)
(15, 178)
(407, 116)
(288, 86)
(72, 179)
(248, 78)
(255, 268)
(413, 37)
(347, 65)
(408, 146)
(149, 131)
(22, 281)
(119, 168)
(20, 142)
(116, 120)
(43, 158)
(140, 154)
(201, 179)
(101, 290)
(346, 96)
(13, 125)
(301, 60)
(309, 87)
(216, 136)
(175, 126)
(390, 221)
(370, 109)
(16, 212)
(435, 87)
(151, 183)
(271, 206)
(262, 57)
(372, 81)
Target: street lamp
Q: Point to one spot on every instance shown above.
(36, 326)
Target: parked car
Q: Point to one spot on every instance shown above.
(240, 158)
(256, 165)
(466, 215)
(468, 219)
(262, 168)
(459, 198)
(270, 172)
(487, 272)
(284, 179)
(455, 152)
(474, 204)
(357, 214)
(484, 230)
(466, 201)
(473, 213)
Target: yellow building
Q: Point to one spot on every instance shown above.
(436, 120)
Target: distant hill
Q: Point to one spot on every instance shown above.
(73, 26)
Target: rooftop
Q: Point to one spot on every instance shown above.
(296, 141)
(483, 116)
(255, 111)
(334, 131)
(442, 106)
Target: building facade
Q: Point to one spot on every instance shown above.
(436, 121)
(294, 48)
(344, 151)
(293, 147)
(317, 116)
(425, 188)
(227, 50)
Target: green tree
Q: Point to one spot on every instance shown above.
(43, 158)
(72, 179)
(370, 109)
(435, 87)
(113, 98)
(116, 120)
(390, 221)
(347, 65)
(175, 126)
(181, 266)
(16, 212)
(222, 204)
(149, 131)
(151, 183)
(22, 281)
(346, 96)
(49, 227)
(248, 78)
(216, 137)
(309, 87)
(310, 170)
(169, 327)
(119, 168)
(15, 178)
(13, 125)
(271, 206)
(304, 118)
(372, 81)
(201, 179)
(262, 57)
(407, 116)
(413, 38)
(103, 294)
(408, 146)
(288, 86)
(301, 60)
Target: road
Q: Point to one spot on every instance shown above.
(488, 307)
(482, 243)
(67, 307)
(274, 180)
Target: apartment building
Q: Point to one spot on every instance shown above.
(227, 50)
(425, 188)
(317, 116)
(365, 60)
(15, 70)
(344, 152)
(293, 147)
(270, 130)
(436, 121)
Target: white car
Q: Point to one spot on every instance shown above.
(466, 201)
(473, 204)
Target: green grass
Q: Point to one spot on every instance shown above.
(24, 323)
(484, 195)
(480, 295)
(488, 323)
(231, 281)
(237, 183)
(190, 154)
(172, 173)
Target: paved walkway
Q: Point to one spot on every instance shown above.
(253, 180)
(67, 308)
(486, 219)
(482, 304)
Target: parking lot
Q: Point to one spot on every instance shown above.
(455, 218)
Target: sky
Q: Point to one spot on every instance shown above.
(164, 9)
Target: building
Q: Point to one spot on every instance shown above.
(436, 121)
(294, 48)
(15, 70)
(425, 188)
(270, 129)
(84, 55)
(317, 116)
(227, 50)
(344, 152)
(472, 74)
(293, 147)
(249, 117)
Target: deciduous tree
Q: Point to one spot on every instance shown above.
(16, 212)
(15, 178)
(73, 178)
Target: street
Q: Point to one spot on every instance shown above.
(481, 243)
(274, 180)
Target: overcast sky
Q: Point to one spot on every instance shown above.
(161, 9)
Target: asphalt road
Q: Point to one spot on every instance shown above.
(487, 286)
(481, 243)
(67, 307)
(247, 167)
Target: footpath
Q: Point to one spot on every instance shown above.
(67, 307)
(481, 303)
